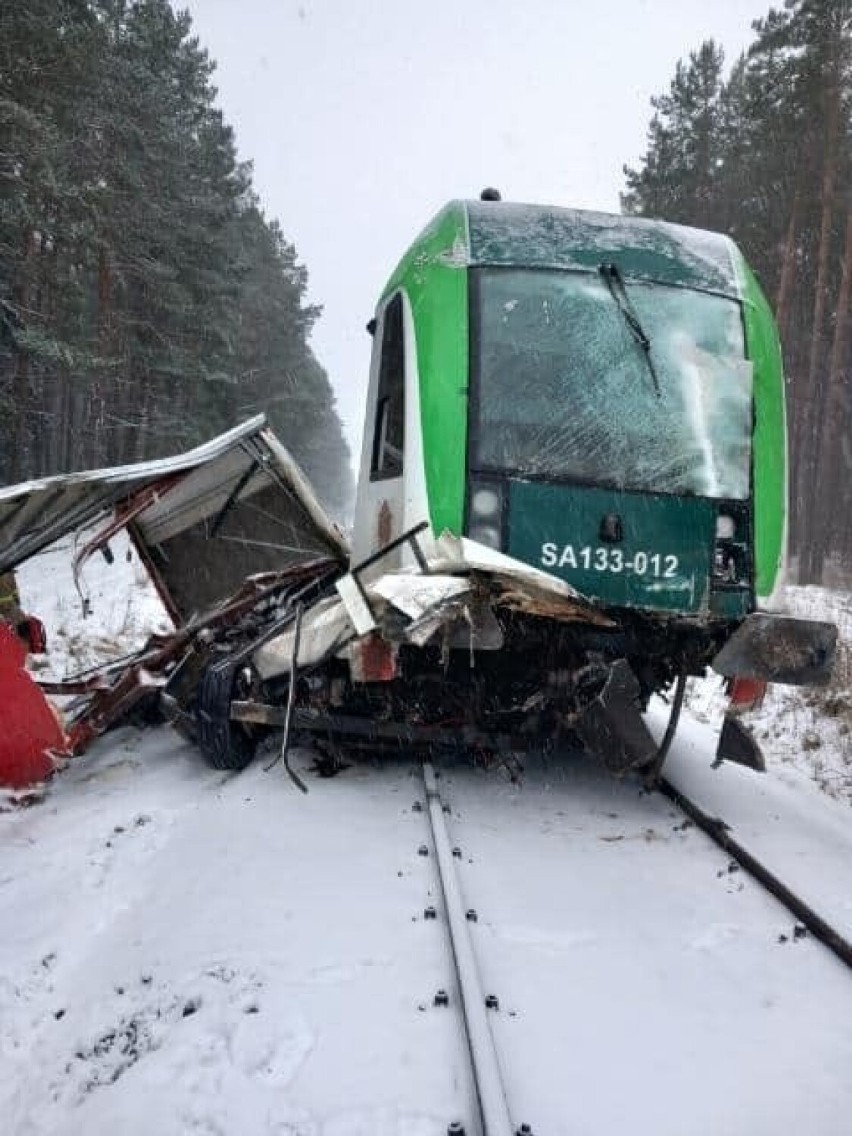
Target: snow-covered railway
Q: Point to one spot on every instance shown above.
(636, 975)
(192, 952)
(492, 1116)
(718, 830)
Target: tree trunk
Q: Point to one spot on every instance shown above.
(830, 430)
(811, 562)
(788, 265)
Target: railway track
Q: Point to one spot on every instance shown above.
(719, 832)
(643, 986)
(495, 1109)
(474, 1006)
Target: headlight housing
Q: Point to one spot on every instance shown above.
(486, 513)
(732, 548)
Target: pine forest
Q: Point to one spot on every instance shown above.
(146, 303)
(764, 152)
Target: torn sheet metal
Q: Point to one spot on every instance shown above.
(422, 601)
(778, 648)
(325, 628)
(515, 585)
(414, 596)
(203, 520)
(454, 555)
(351, 592)
(459, 603)
(442, 603)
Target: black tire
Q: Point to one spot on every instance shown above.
(225, 744)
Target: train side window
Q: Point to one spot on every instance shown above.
(389, 426)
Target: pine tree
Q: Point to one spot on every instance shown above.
(46, 49)
(780, 185)
(145, 302)
(679, 173)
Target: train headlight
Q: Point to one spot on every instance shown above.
(731, 551)
(485, 513)
(485, 504)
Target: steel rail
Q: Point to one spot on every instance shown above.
(491, 1097)
(719, 833)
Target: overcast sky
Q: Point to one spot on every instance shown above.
(362, 117)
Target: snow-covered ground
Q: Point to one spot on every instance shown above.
(186, 951)
(112, 611)
(656, 990)
(808, 729)
(191, 952)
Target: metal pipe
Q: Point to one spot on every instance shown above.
(283, 754)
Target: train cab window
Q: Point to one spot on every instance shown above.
(389, 426)
(564, 391)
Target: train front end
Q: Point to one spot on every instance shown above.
(593, 403)
(612, 411)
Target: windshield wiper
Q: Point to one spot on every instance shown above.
(615, 283)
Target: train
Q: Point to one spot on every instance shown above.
(571, 497)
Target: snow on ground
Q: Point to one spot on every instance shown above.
(114, 610)
(185, 951)
(655, 990)
(192, 952)
(809, 729)
(812, 729)
(781, 817)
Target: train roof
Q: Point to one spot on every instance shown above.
(496, 233)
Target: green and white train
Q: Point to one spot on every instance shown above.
(572, 495)
(592, 399)
(600, 397)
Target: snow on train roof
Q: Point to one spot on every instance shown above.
(546, 236)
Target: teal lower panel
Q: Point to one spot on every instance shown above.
(731, 604)
(639, 550)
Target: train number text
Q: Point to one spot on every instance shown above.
(658, 564)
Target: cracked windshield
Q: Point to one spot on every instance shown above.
(562, 339)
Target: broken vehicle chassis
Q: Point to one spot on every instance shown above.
(201, 678)
(262, 609)
(110, 693)
(585, 681)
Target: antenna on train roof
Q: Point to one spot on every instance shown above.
(490, 194)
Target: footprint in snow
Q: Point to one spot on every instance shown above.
(261, 1046)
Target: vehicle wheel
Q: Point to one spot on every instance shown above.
(225, 744)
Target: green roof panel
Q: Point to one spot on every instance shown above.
(538, 236)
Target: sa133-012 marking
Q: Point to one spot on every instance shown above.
(662, 565)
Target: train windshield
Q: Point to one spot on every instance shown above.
(564, 389)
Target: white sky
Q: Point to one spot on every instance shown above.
(362, 117)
